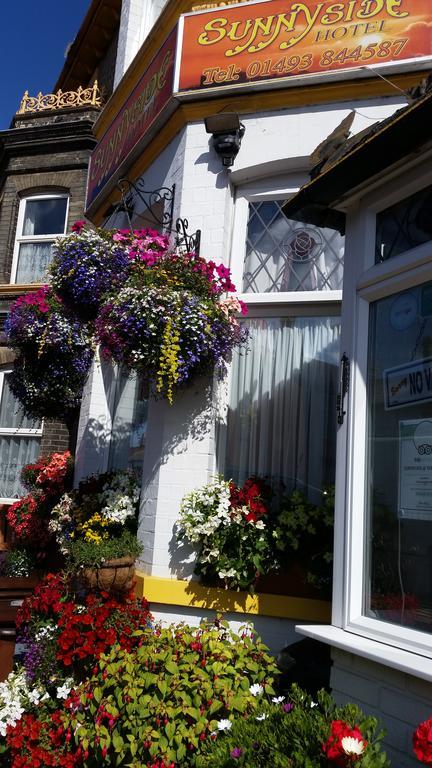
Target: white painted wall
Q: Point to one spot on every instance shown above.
(137, 19)
(275, 633)
(180, 450)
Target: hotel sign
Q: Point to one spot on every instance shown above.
(276, 40)
(263, 44)
(135, 118)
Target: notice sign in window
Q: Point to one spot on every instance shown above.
(408, 384)
(415, 469)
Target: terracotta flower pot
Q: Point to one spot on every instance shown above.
(112, 575)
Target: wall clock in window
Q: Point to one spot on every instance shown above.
(403, 311)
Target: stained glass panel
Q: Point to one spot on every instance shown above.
(404, 226)
(286, 255)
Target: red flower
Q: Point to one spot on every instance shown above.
(252, 496)
(78, 226)
(33, 744)
(422, 742)
(333, 748)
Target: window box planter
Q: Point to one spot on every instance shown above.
(191, 594)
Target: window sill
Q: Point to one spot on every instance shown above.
(11, 288)
(381, 653)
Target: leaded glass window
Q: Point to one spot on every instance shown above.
(286, 255)
(404, 226)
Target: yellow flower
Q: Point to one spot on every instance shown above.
(169, 360)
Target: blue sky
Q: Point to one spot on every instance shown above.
(35, 35)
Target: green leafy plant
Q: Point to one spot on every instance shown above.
(298, 733)
(307, 528)
(19, 563)
(98, 520)
(160, 703)
(91, 554)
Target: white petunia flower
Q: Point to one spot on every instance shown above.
(224, 725)
(313, 704)
(352, 746)
(34, 696)
(63, 691)
(261, 717)
(256, 689)
(278, 699)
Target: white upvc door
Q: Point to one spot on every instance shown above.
(383, 531)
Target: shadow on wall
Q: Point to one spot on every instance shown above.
(175, 433)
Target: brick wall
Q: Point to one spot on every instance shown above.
(55, 438)
(43, 152)
(400, 701)
(105, 72)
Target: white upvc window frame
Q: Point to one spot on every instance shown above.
(366, 282)
(15, 431)
(277, 188)
(271, 304)
(21, 239)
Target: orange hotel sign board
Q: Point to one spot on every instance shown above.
(276, 40)
(263, 44)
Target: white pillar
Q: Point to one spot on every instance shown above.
(178, 458)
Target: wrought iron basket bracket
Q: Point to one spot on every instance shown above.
(190, 243)
(129, 190)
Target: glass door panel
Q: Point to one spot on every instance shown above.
(398, 585)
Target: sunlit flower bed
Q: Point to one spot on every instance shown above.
(108, 688)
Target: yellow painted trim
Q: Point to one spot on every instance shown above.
(193, 595)
(248, 103)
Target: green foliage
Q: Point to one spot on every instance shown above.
(92, 554)
(307, 528)
(163, 701)
(19, 563)
(293, 738)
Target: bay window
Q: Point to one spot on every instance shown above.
(128, 422)
(383, 581)
(279, 421)
(41, 218)
(20, 439)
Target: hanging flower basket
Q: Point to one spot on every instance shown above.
(150, 308)
(169, 321)
(86, 265)
(55, 355)
(170, 336)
